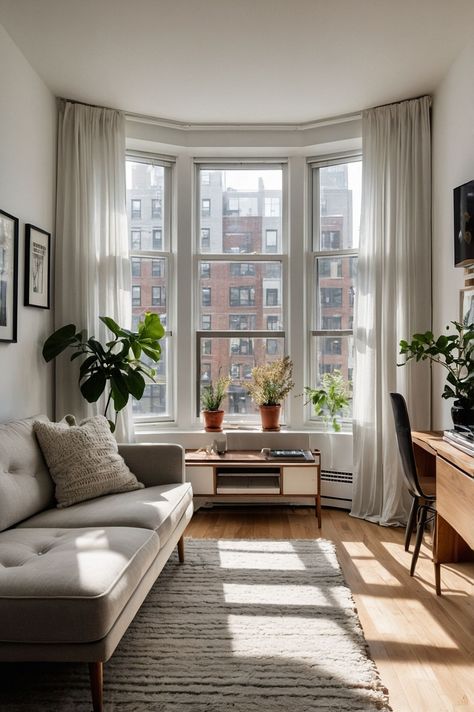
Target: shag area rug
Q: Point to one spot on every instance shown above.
(241, 626)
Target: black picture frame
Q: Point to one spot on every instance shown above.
(8, 277)
(37, 267)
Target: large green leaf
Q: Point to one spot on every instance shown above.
(135, 383)
(93, 387)
(154, 329)
(119, 389)
(59, 341)
(153, 353)
(111, 324)
(86, 365)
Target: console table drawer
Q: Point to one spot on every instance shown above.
(300, 480)
(454, 497)
(201, 478)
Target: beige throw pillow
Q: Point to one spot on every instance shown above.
(83, 460)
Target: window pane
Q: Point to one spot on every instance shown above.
(146, 205)
(336, 283)
(241, 210)
(244, 294)
(236, 357)
(330, 354)
(339, 206)
(156, 397)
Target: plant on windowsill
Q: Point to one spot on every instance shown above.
(455, 352)
(331, 400)
(211, 401)
(118, 365)
(271, 383)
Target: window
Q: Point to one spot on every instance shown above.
(271, 297)
(136, 267)
(271, 240)
(273, 323)
(205, 207)
(156, 207)
(148, 184)
(136, 296)
(242, 269)
(206, 347)
(241, 346)
(205, 270)
(136, 208)
(242, 322)
(205, 239)
(272, 347)
(157, 239)
(241, 296)
(336, 220)
(272, 207)
(206, 296)
(135, 241)
(205, 178)
(206, 322)
(158, 296)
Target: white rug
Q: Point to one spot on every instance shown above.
(242, 626)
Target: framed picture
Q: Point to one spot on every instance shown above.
(37, 267)
(8, 276)
(467, 305)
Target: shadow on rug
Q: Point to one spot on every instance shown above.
(242, 626)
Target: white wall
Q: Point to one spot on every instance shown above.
(27, 186)
(453, 164)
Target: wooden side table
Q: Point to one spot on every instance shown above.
(250, 474)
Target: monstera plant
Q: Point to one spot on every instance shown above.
(118, 366)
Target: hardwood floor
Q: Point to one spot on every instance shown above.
(423, 644)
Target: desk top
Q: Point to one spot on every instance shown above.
(242, 456)
(432, 442)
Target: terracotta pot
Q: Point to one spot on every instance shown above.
(270, 416)
(213, 420)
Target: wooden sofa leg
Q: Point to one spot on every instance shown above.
(181, 550)
(96, 674)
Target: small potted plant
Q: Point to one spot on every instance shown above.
(331, 399)
(455, 352)
(211, 400)
(271, 383)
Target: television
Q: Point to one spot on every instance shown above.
(464, 224)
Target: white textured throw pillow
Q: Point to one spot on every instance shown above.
(83, 460)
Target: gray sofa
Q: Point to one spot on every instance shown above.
(72, 580)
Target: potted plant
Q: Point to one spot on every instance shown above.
(211, 400)
(271, 382)
(331, 399)
(117, 365)
(455, 352)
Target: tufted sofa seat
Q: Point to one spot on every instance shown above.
(72, 580)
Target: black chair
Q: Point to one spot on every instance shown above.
(423, 506)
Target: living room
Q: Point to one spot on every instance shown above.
(224, 146)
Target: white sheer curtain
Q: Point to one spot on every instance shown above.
(394, 299)
(92, 264)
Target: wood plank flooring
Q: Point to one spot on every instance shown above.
(423, 645)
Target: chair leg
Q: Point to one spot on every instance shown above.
(411, 522)
(422, 512)
(181, 550)
(96, 674)
(438, 578)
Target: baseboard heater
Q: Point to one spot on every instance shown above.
(336, 489)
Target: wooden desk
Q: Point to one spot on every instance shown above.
(454, 471)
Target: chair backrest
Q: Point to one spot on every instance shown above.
(405, 444)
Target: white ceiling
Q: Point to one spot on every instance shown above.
(239, 61)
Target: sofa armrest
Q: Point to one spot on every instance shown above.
(154, 463)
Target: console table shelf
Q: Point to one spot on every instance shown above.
(250, 474)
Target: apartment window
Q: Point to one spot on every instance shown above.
(136, 267)
(241, 296)
(205, 207)
(206, 347)
(205, 178)
(158, 296)
(135, 241)
(205, 239)
(271, 240)
(205, 270)
(149, 185)
(206, 296)
(156, 204)
(272, 347)
(272, 207)
(336, 221)
(136, 296)
(271, 297)
(206, 322)
(244, 347)
(157, 239)
(136, 208)
(242, 269)
(273, 323)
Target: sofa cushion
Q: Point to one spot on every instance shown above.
(25, 484)
(83, 460)
(69, 586)
(159, 508)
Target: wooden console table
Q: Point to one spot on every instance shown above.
(454, 471)
(249, 474)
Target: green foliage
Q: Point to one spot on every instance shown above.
(331, 399)
(271, 382)
(119, 364)
(213, 394)
(455, 352)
